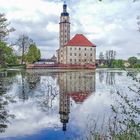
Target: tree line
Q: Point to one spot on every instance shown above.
(108, 60)
(28, 49)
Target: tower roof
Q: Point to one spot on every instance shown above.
(64, 13)
(80, 40)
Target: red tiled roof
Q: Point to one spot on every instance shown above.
(80, 40)
(79, 97)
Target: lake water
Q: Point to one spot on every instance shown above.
(80, 105)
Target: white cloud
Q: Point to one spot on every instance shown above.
(30, 118)
(52, 27)
(108, 24)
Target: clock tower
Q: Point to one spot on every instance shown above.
(64, 32)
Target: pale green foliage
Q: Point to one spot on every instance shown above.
(118, 63)
(132, 60)
(33, 54)
(6, 55)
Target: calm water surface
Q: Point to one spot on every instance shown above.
(82, 105)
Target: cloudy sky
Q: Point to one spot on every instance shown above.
(110, 24)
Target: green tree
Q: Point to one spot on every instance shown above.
(110, 56)
(132, 60)
(24, 42)
(2, 61)
(118, 63)
(33, 54)
(39, 54)
(4, 30)
(7, 55)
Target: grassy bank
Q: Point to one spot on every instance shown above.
(19, 66)
(13, 67)
(2, 69)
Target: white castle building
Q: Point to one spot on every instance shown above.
(77, 51)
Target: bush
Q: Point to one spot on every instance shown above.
(103, 66)
(136, 65)
(16, 65)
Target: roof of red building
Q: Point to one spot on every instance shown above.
(80, 40)
(79, 97)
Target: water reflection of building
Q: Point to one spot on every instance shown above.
(75, 85)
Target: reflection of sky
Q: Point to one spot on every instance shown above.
(32, 122)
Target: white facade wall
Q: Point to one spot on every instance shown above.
(79, 55)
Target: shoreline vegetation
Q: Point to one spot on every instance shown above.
(23, 67)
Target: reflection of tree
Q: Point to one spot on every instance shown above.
(29, 82)
(48, 91)
(110, 78)
(33, 79)
(23, 91)
(4, 101)
(48, 95)
(101, 76)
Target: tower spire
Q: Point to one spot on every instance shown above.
(64, 7)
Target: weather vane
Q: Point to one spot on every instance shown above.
(64, 1)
